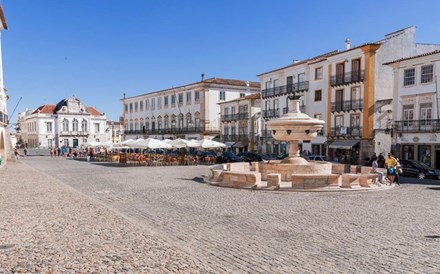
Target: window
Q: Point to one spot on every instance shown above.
(96, 127)
(318, 95)
(409, 77)
(226, 111)
(339, 125)
(356, 70)
(232, 110)
(222, 96)
(147, 104)
(340, 70)
(427, 74)
(426, 114)
(65, 125)
(188, 98)
(242, 95)
(159, 102)
(135, 106)
(180, 99)
(339, 100)
(141, 105)
(318, 116)
(84, 125)
(173, 100)
(49, 127)
(289, 83)
(408, 115)
(126, 107)
(318, 73)
(153, 103)
(355, 122)
(131, 107)
(75, 125)
(165, 101)
(197, 96)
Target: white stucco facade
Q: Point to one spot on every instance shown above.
(190, 111)
(240, 123)
(415, 117)
(4, 132)
(67, 124)
(351, 90)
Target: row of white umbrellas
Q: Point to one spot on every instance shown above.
(155, 143)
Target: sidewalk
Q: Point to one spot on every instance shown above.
(47, 227)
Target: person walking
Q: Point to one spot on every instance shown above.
(25, 151)
(390, 164)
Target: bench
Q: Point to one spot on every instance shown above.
(307, 181)
(241, 179)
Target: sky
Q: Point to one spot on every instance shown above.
(97, 50)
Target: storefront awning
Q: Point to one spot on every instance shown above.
(344, 144)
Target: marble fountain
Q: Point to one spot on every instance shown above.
(294, 173)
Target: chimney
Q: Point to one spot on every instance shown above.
(203, 76)
(347, 44)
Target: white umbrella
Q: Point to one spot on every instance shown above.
(150, 143)
(127, 142)
(206, 143)
(167, 140)
(93, 144)
(180, 143)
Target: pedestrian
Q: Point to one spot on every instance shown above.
(375, 170)
(398, 171)
(390, 164)
(25, 151)
(58, 151)
(16, 153)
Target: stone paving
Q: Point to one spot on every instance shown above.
(201, 228)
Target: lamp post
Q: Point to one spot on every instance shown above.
(113, 131)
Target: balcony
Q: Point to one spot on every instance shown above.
(301, 108)
(285, 90)
(349, 105)
(347, 132)
(234, 137)
(235, 117)
(416, 126)
(271, 113)
(243, 116)
(174, 131)
(348, 78)
(74, 133)
(266, 134)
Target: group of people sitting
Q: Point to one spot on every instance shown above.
(393, 169)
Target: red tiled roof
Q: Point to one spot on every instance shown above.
(49, 109)
(93, 111)
(232, 82)
(253, 96)
(413, 57)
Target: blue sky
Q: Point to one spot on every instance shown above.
(99, 49)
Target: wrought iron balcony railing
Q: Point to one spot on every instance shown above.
(285, 90)
(354, 105)
(415, 126)
(234, 137)
(347, 78)
(173, 131)
(346, 131)
(271, 113)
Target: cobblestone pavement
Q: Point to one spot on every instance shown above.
(245, 231)
(48, 227)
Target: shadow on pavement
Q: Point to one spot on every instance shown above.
(195, 179)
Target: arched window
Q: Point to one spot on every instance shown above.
(197, 119)
(166, 122)
(147, 124)
(75, 125)
(136, 124)
(84, 126)
(173, 121)
(159, 122)
(65, 125)
(189, 122)
(180, 120)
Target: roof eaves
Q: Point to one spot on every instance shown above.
(412, 57)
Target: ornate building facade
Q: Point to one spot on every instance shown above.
(190, 111)
(4, 132)
(69, 123)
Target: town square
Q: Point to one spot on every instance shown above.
(219, 137)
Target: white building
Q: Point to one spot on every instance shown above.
(69, 123)
(241, 123)
(114, 131)
(190, 111)
(351, 90)
(4, 133)
(414, 122)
